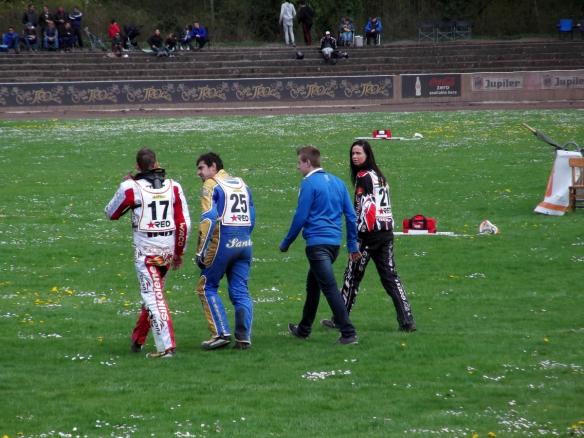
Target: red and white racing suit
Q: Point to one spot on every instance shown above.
(161, 224)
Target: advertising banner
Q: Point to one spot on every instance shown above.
(562, 80)
(496, 82)
(196, 91)
(430, 85)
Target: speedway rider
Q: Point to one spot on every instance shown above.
(224, 248)
(161, 223)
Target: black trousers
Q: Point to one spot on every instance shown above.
(379, 247)
(321, 278)
(306, 33)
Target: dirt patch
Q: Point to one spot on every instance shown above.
(210, 110)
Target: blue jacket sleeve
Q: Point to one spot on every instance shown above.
(350, 221)
(302, 210)
(252, 211)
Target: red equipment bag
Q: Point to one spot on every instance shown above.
(419, 222)
(382, 133)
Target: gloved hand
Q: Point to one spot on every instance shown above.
(201, 261)
(176, 261)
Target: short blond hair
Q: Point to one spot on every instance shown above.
(309, 153)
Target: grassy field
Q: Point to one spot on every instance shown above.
(498, 351)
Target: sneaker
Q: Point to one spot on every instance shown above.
(328, 323)
(216, 342)
(348, 340)
(161, 355)
(241, 345)
(408, 327)
(293, 329)
(136, 347)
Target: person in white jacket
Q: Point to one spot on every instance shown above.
(287, 14)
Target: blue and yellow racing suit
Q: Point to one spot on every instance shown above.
(225, 247)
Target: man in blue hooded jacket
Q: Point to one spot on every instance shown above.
(11, 40)
(322, 201)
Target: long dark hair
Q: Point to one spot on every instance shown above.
(368, 164)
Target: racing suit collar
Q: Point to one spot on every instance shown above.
(153, 176)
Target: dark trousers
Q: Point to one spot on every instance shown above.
(371, 38)
(306, 32)
(67, 42)
(77, 35)
(379, 247)
(200, 42)
(321, 278)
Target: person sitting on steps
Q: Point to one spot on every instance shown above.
(373, 30)
(156, 44)
(328, 48)
(346, 32)
(199, 34)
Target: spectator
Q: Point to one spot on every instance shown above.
(328, 45)
(118, 45)
(373, 31)
(328, 48)
(30, 16)
(51, 37)
(30, 37)
(44, 19)
(60, 18)
(113, 29)
(75, 18)
(11, 40)
(287, 14)
(185, 41)
(199, 35)
(131, 34)
(171, 42)
(346, 31)
(68, 38)
(305, 18)
(157, 44)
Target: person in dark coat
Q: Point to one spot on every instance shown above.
(305, 18)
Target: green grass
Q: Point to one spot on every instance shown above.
(500, 329)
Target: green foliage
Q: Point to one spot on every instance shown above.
(498, 346)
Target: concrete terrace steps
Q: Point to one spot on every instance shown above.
(267, 53)
(223, 63)
(276, 73)
(285, 68)
(356, 56)
(122, 65)
(381, 67)
(532, 49)
(251, 72)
